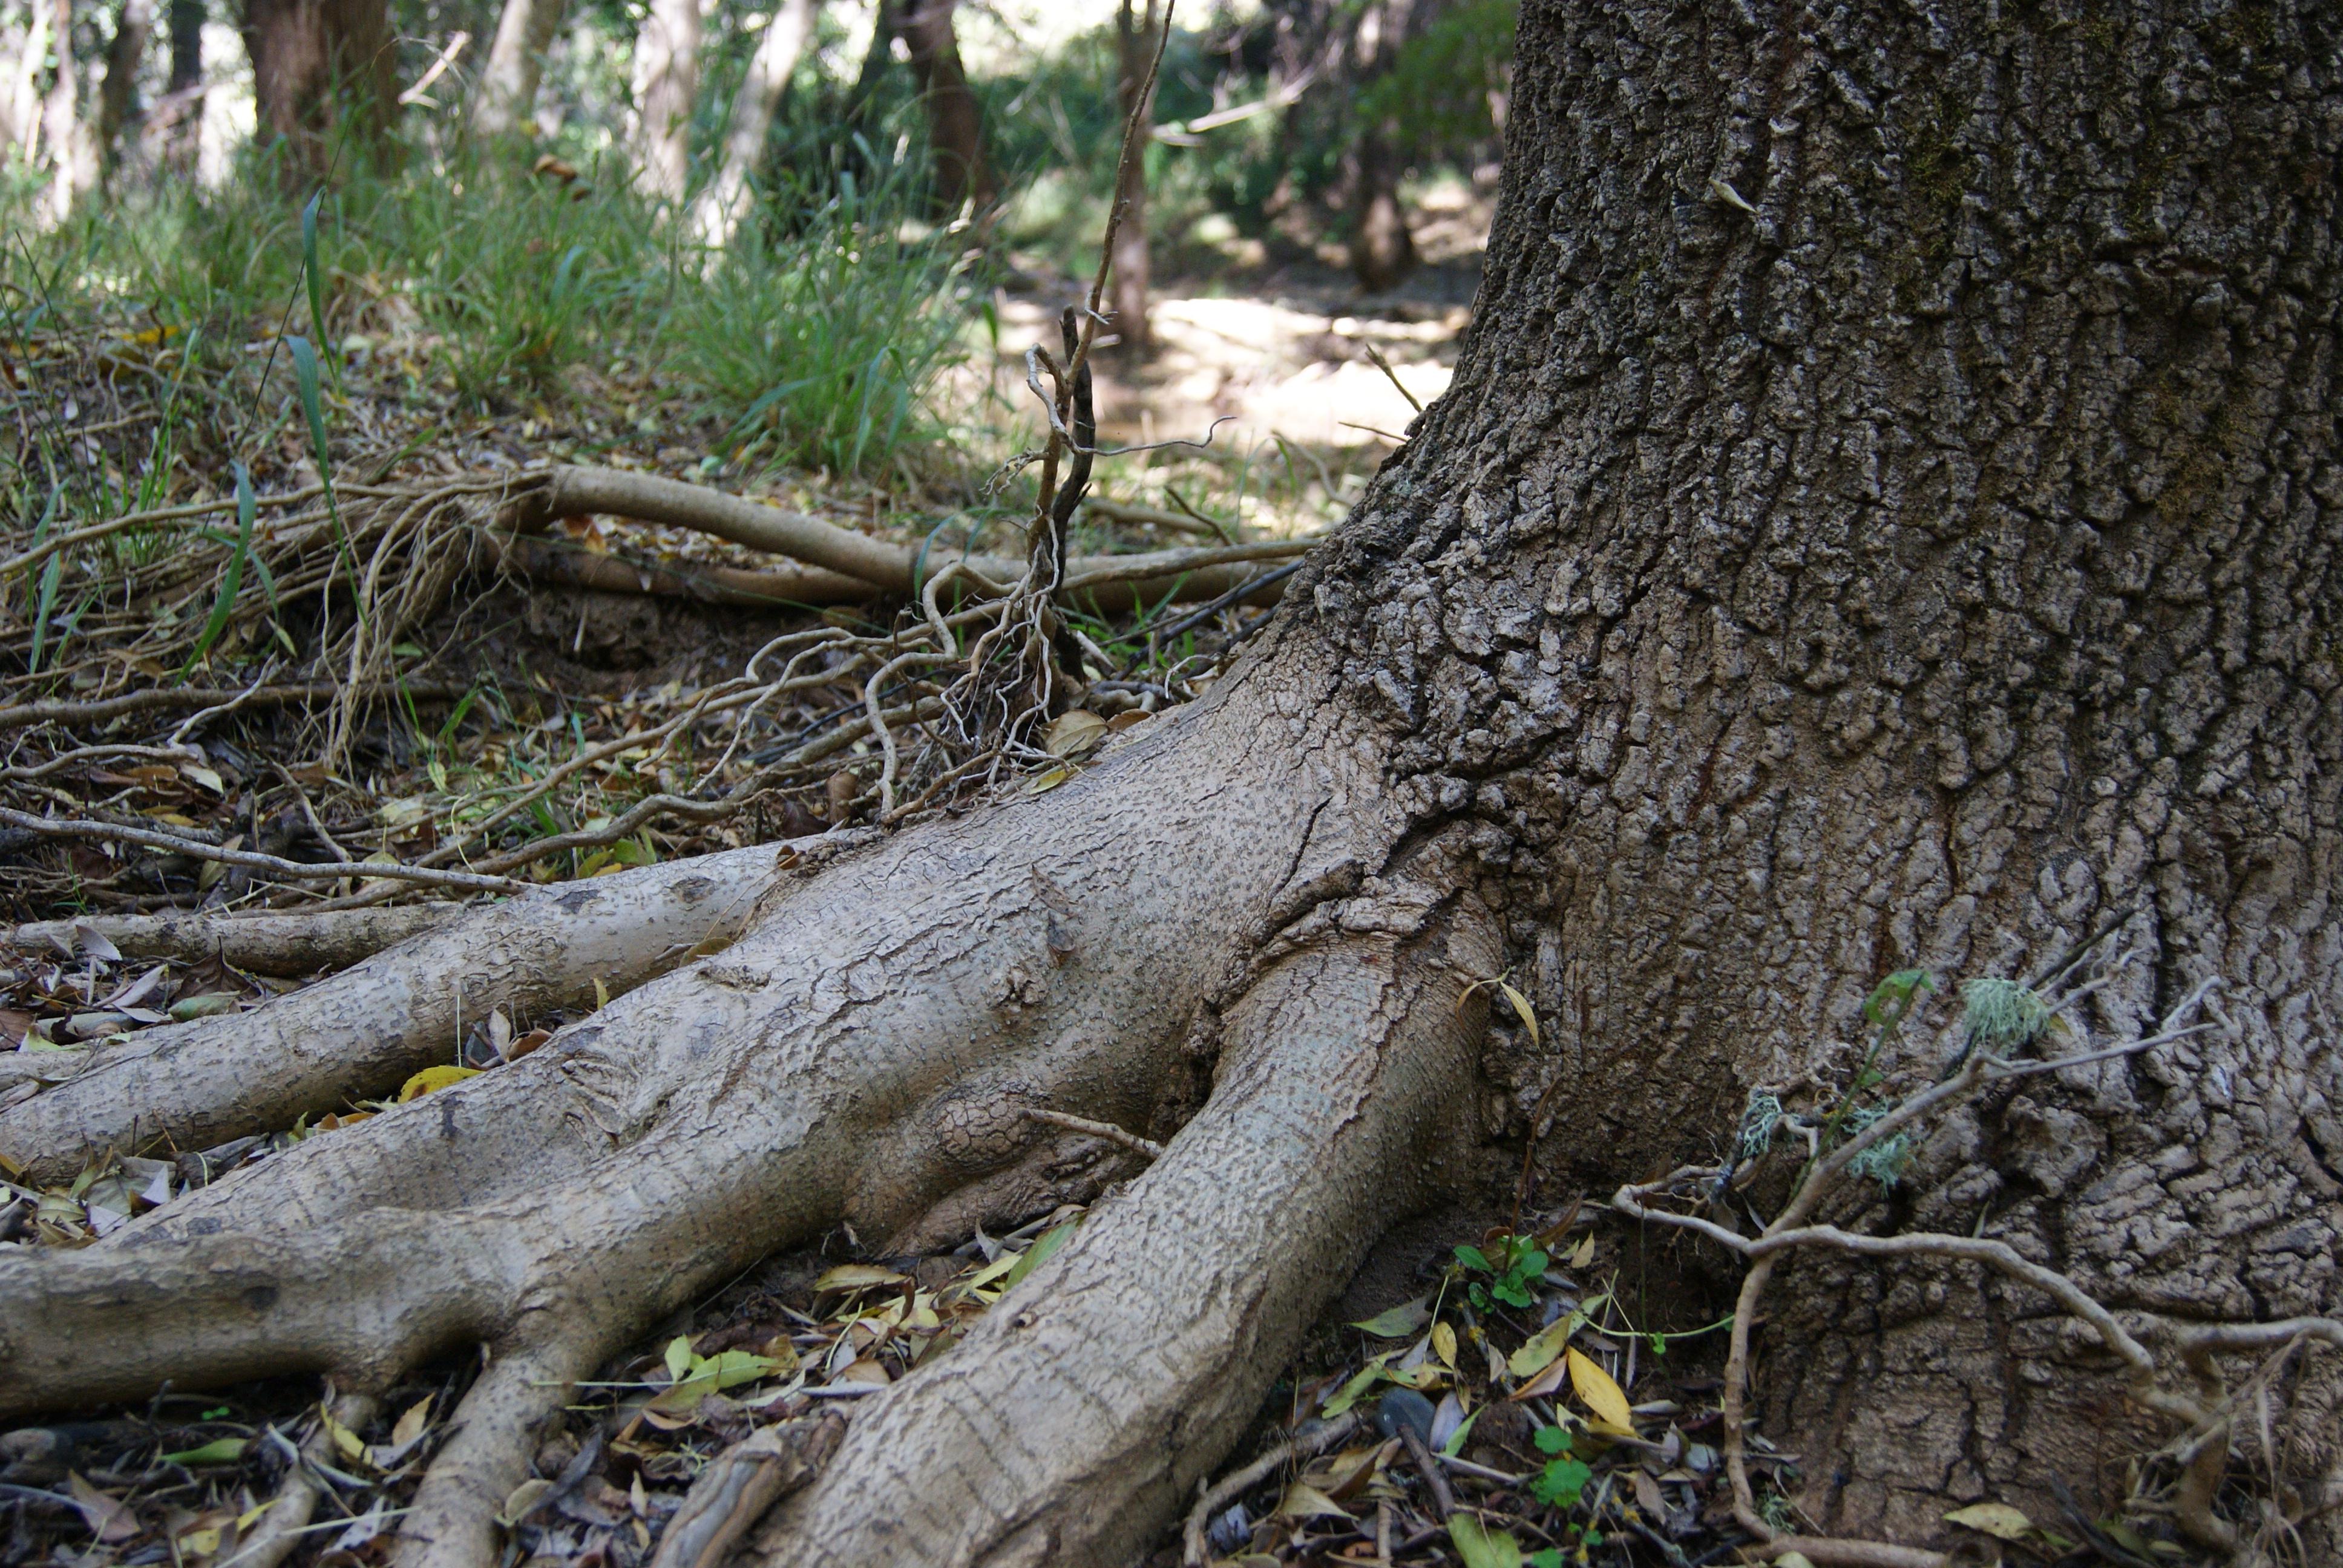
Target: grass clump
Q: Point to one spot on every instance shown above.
(455, 278)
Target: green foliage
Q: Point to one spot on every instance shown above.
(819, 336)
(1519, 1260)
(816, 338)
(1440, 86)
(1561, 1480)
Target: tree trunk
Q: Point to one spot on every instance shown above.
(720, 206)
(117, 97)
(1889, 513)
(524, 30)
(1135, 36)
(1383, 251)
(64, 128)
(323, 71)
(183, 129)
(667, 85)
(955, 127)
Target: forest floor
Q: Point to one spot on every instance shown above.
(535, 721)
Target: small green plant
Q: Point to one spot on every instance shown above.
(1564, 1477)
(1519, 1260)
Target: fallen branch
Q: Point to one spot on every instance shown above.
(887, 567)
(1106, 1129)
(283, 869)
(96, 710)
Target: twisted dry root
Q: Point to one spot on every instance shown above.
(868, 1052)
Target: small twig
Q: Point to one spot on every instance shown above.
(1384, 365)
(1106, 1129)
(1196, 1550)
(287, 870)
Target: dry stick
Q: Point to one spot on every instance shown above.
(886, 567)
(1196, 1550)
(1384, 365)
(1106, 1129)
(98, 710)
(289, 871)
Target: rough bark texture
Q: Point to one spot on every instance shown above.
(1887, 515)
(320, 68)
(725, 200)
(524, 30)
(1382, 250)
(667, 81)
(955, 127)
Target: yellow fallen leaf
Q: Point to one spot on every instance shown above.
(351, 1446)
(434, 1078)
(1603, 1395)
(1998, 1520)
(1539, 1351)
(411, 1425)
(1584, 1254)
(1303, 1501)
(1521, 1010)
(1443, 1344)
(858, 1277)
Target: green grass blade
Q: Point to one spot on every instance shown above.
(316, 283)
(305, 376)
(44, 597)
(232, 580)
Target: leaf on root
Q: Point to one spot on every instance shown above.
(857, 1277)
(1039, 1253)
(432, 1079)
(1998, 1520)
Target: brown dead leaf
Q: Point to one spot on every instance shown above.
(108, 1520)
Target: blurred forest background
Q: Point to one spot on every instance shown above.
(778, 234)
(296, 299)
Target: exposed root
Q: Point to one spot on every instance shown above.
(738, 1487)
(1086, 1406)
(869, 1050)
(1116, 582)
(363, 1031)
(272, 943)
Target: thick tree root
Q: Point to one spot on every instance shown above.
(868, 1054)
(363, 1032)
(1085, 1406)
(275, 943)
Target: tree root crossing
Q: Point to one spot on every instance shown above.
(866, 1050)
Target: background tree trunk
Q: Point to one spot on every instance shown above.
(320, 68)
(1887, 515)
(117, 97)
(719, 208)
(667, 85)
(524, 30)
(1134, 35)
(183, 132)
(63, 125)
(955, 127)
(1383, 251)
